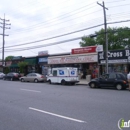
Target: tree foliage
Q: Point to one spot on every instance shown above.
(22, 65)
(9, 58)
(6, 70)
(118, 38)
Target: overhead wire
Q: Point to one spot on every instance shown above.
(60, 29)
(95, 19)
(112, 23)
(55, 36)
(51, 32)
(71, 25)
(61, 22)
(119, 5)
(54, 43)
(35, 7)
(50, 44)
(115, 1)
(54, 19)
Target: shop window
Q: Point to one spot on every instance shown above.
(55, 73)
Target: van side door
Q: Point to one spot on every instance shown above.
(111, 79)
(54, 78)
(62, 74)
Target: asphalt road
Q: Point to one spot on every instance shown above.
(41, 106)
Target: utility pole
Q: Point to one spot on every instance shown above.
(4, 24)
(105, 26)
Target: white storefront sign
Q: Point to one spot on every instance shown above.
(73, 59)
(115, 61)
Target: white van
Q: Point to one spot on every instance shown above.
(63, 75)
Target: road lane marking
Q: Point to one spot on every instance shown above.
(31, 90)
(53, 114)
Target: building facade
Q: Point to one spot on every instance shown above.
(118, 61)
(85, 59)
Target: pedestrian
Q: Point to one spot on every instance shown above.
(128, 78)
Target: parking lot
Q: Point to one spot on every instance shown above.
(38, 106)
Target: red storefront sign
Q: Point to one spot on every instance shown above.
(89, 49)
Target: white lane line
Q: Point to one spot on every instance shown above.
(31, 90)
(53, 114)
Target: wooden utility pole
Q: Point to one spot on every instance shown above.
(105, 26)
(4, 24)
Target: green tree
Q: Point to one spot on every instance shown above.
(118, 38)
(22, 65)
(9, 58)
(6, 70)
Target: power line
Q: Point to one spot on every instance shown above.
(119, 5)
(56, 36)
(119, 21)
(115, 1)
(67, 21)
(113, 15)
(55, 19)
(64, 34)
(50, 44)
(35, 7)
(64, 28)
(55, 43)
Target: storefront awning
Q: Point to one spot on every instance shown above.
(14, 65)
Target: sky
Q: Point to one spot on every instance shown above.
(42, 20)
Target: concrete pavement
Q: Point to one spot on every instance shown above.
(83, 82)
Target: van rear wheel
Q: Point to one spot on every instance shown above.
(63, 82)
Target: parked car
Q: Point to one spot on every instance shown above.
(33, 77)
(112, 80)
(11, 76)
(2, 75)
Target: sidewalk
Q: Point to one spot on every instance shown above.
(82, 82)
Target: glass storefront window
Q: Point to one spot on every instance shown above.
(44, 70)
(116, 68)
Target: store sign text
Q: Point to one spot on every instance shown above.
(114, 54)
(89, 49)
(73, 59)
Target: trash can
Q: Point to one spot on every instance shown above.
(88, 78)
